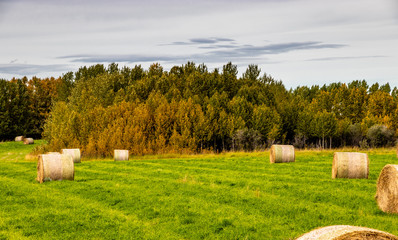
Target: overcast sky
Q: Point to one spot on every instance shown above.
(301, 42)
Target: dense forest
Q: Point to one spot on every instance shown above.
(191, 109)
(25, 105)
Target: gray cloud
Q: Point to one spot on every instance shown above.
(3, 8)
(257, 50)
(206, 31)
(344, 58)
(225, 39)
(177, 43)
(203, 40)
(287, 47)
(211, 40)
(249, 51)
(131, 58)
(222, 53)
(31, 69)
(217, 46)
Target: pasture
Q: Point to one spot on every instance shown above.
(224, 196)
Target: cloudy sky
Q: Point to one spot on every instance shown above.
(301, 42)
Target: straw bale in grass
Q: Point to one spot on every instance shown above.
(387, 189)
(28, 141)
(281, 154)
(19, 139)
(74, 153)
(346, 232)
(56, 166)
(350, 165)
(121, 155)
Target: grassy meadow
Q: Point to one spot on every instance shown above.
(224, 196)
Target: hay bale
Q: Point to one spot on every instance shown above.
(387, 189)
(57, 166)
(74, 153)
(121, 155)
(350, 165)
(281, 154)
(346, 232)
(28, 141)
(19, 139)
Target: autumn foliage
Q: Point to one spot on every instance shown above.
(190, 109)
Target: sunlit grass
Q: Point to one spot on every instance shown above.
(214, 196)
(16, 151)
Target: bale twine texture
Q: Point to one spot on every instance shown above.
(281, 154)
(387, 189)
(121, 155)
(350, 165)
(19, 139)
(74, 153)
(57, 166)
(346, 232)
(28, 140)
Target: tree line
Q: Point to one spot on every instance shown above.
(26, 104)
(191, 109)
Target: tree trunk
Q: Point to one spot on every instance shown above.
(305, 141)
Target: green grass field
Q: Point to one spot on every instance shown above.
(225, 196)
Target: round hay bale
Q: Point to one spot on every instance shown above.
(121, 155)
(387, 189)
(28, 141)
(19, 139)
(346, 232)
(74, 153)
(281, 154)
(57, 166)
(350, 165)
